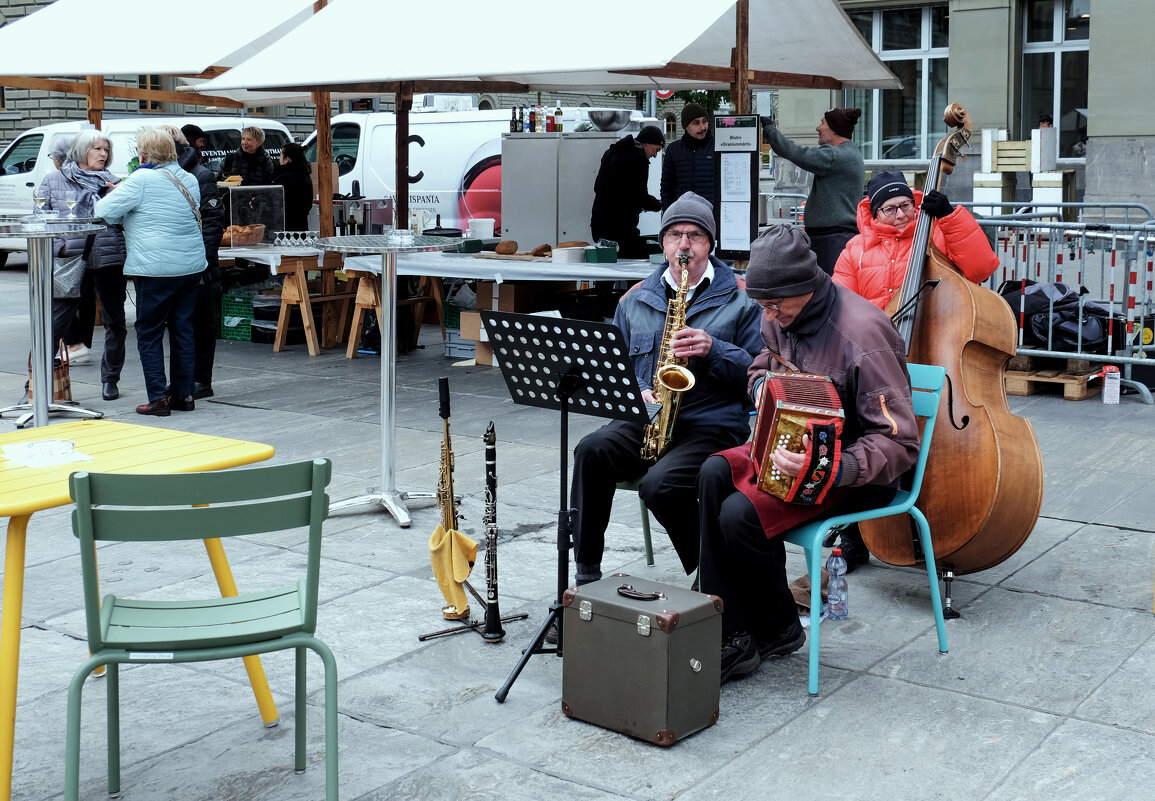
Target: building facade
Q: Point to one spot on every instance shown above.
(1086, 64)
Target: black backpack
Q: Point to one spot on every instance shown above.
(1054, 307)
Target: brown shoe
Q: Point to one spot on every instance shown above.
(157, 408)
(185, 404)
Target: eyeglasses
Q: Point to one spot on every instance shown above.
(676, 236)
(771, 306)
(906, 207)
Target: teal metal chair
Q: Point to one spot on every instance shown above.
(191, 506)
(927, 382)
(632, 486)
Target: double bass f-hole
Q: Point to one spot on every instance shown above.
(965, 420)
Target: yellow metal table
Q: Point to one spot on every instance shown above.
(114, 448)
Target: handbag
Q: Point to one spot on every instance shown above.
(67, 276)
(61, 380)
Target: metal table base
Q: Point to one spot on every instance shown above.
(389, 498)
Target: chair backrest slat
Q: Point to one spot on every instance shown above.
(198, 522)
(926, 381)
(189, 489)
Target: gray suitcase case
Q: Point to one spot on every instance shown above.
(647, 666)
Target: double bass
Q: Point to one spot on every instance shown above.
(983, 484)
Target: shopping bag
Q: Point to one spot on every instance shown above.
(61, 380)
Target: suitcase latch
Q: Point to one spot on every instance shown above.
(696, 665)
(644, 625)
(585, 610)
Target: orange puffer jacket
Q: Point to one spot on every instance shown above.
(874, 262)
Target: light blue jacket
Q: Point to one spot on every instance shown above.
(160, 229)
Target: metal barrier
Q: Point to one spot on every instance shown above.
(1113, 260)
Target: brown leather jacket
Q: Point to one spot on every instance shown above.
(842, 335)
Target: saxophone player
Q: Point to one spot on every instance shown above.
(717, 345)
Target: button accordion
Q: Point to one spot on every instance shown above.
(794, 404)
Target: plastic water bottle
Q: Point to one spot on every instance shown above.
(836, 604)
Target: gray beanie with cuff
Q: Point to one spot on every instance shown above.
(691, 208)
(782, 265)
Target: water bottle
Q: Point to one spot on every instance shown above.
(836, 604)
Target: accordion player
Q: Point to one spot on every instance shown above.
(794, 404)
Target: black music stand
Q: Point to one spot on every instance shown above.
(562, 364)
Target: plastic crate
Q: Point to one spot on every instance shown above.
(451, 315)
(456, 347)
(236, 317)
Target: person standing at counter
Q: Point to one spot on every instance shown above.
(688, 165)
(250, 161)
(158, 204)
(621, 194)
(209, 291)
(839, 174)
(293, 174)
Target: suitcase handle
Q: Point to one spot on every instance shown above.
(629, 592)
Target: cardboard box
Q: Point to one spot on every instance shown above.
(472, 329)
(515, 296)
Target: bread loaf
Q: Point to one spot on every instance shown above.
(542, 250)
(574, 244)
(506, 248)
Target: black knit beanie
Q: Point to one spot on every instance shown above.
(843, 120)
(782, 265)
(885, 185)
(691, 112)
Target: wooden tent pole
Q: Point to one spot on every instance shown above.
(324, 186)
(95, 98)
(740, 89)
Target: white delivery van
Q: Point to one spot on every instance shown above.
(454, 159)
(25, 162)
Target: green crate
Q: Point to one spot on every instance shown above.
(451, 315)
(236, 317)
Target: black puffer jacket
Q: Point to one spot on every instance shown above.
(298, 196)
(255, 169)
(212, 211)
(620, 191)
(688, 166)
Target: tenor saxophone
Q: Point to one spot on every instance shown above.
(671, 378)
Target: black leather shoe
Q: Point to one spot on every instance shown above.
(202, 391)
(739, 656)
(786, 643)
(156, 408)
(108, 390)
(185, 404)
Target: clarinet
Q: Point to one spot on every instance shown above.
(492, 631)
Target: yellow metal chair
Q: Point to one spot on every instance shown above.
(189, 506)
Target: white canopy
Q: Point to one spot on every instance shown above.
(149, 37)
(550, 46)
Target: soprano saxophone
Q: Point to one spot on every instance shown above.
(671, 378)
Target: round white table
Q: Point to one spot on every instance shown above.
(40, 231)
(388, 245)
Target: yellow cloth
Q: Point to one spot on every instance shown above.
(452, 555)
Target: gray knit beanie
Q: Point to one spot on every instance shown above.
(782, 265)
(691, 208)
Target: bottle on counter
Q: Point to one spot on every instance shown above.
(837, 601)
(557, 118)
(524, 120)
(532, 119)
(514, 125)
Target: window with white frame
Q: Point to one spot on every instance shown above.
(1056, 36)
(912, 42)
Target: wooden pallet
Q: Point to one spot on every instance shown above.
(1075, 387)
(1029, 364)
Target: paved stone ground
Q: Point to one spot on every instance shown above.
(1044, 694)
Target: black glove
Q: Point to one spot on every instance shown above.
(935, 204)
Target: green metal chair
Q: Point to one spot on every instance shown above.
(191, 506)
(632, 486)
(927, 382)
